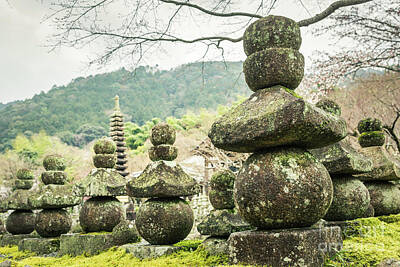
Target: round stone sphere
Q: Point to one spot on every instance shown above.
(350, 200)
(374, 138)
(162, 134)
(221, 190)
(164, 221)
(125, 232)
(54, 163)
(369, 125)
(52, 222)
(330, 106)
(104, 146)
(271, 31)
(104, 160)
(385, 197)
(20, 222)
(25, 174)
(283, 188)
(274, 66)
(54, 177)
(100, 214)
(163, 152)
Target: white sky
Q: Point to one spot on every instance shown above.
(27, 67)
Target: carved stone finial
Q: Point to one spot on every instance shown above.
(116, 98)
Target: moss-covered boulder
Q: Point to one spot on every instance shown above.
(104, 160)
(23, 184)
(54, 197)
(124, 233)
(52, 222)
(329, 106)
(20, 222)
(284, 188)
(162, 179)
(274, 117)
(222, 223)
(342, 158)
(101, 214)
(385, 197)
(54, 163)
(271, 31)
(369, 125)
(274, 66)
(350, 200)
(164, 221)
(102, 182)
(162, 134)
(25, 174)
(384, 166)
(221, 190)
(287, 247)
(54, 177)
(104, 146)
(163, 152)
(375, 138)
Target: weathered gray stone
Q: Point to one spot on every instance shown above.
(85, 244)
(164, 221)
(216, 246)
(385, 197)
(101, 214)
(369, 125)
(162, 179)
(342, 158)
(384, 167)
(286, 187)
(162, 134)
(329, 106)
(54, 163)
(104, 160)
(389, 263)
(13, 240)
(55, 197)
(125, 232)
(6, 263)
(222, 223)
(40, 246)
(274, 117)
(221, 190)
(20, 222)
(375, 138)
(52, 222)
(23, 184)
(271, 31)
(287, 247)
(102, 182)
(163, 152)
(104, 146)
(149, 251)
(350, 200)
(54, 177)
(19, 199)
(25, 174)
(274, 66)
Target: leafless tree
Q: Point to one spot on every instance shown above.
(138, 26)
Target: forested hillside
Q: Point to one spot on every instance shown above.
(145, 93)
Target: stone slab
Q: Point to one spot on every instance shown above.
(216, 245)
(13, 240)
(88, 244)
(41, 246)
(274, 117)
(145, 251)
(286, 247)
(55, 197)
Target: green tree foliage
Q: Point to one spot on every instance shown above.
(145, 93)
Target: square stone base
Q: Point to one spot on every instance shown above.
(286, 247)
(146, 251)
(13, 240)
(41, 246)
(88, 244)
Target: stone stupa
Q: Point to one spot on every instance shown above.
(281, 189)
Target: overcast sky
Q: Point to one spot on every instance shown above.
(27, 67)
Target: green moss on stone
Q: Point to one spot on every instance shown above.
(329, 106)
(54, 163)
(104, 146)
(369, 125)
(373, 138)
(25, 174)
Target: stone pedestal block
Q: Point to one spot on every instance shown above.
(40, 246)
(286, 247)
(88, 244)
(142, 251)
(13, 240)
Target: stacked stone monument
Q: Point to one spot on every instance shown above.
(351, 198)
(165, 218)
(281, 186)
(21, 222)
(52, 197)
(118, 136)
(223, 220)
(102, 211)
(385, 196)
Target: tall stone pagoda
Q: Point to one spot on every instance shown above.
(117, 134)
(165, 218)
(281, 189)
